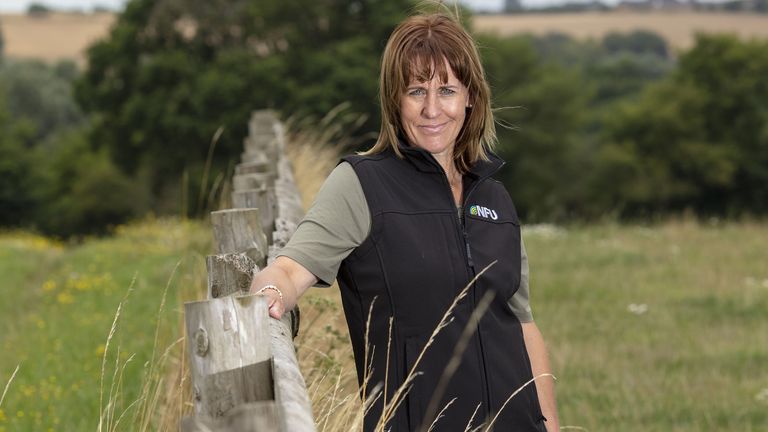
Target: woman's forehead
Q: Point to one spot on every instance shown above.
(423, 69)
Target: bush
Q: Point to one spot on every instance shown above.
(38, 10)
(85, 192)
(699, 139)
(41, 95)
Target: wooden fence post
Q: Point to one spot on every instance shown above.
(230, 353)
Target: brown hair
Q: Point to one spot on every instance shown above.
(420, 45)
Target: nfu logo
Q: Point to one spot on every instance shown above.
(485, 212)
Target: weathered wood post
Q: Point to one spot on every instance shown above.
(230, 353)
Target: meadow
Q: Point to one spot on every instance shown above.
(93, 327)
(650, 328)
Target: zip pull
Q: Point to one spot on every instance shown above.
(469, 252)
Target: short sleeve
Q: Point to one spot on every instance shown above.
(337, 222)
(520, 301)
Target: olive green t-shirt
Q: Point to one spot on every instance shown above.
(339, 221)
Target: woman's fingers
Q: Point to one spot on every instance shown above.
(276, 306)
(276, 309)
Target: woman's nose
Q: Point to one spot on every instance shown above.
(431, 108)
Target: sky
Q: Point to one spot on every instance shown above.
(87, 5)
(21, 5)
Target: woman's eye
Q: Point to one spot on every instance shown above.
(416, 92)
(445, 91)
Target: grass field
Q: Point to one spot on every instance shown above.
(59, 304)
(658, 328)
(66, 36)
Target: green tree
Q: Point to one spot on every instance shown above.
(637, 42)
(41, 96)
(541, 105)
(17, 173)
(83, 192)
(698, 140)
(171, 72)
(38, 9)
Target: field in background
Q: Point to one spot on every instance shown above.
(54, 37)
(650, 328)
(66, 36)
(58, 306)
(678, 28)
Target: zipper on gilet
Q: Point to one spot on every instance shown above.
(471, 268)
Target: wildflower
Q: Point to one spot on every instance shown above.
(28, 391)
(65, 298)
(49, 285)
(100, 350)
(2, 415)
(762, 395)
(637, 309)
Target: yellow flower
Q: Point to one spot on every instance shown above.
(100, 350)
(65, 298)
(2, 415)
(20, 414)
(27, 391)
(49, 285)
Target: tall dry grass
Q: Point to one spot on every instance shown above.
(323, 345)
(165, 392)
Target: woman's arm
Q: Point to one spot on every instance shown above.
(290, 277)
(545, 386)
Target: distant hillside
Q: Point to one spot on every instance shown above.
(66, 36)
(53, 37)
(678, 28)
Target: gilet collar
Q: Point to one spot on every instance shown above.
(425, 162)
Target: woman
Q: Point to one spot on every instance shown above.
(405, 227)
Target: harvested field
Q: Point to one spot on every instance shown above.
(66, 36)
(53, 37)
(678, 28)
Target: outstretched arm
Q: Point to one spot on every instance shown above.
(545, 386)
(290, 277)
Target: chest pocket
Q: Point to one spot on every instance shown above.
(495, 240)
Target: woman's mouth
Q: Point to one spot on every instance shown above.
(432, 129)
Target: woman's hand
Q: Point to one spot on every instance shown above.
(282, 282)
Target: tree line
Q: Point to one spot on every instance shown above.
(618, 127)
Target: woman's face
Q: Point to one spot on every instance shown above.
(432, 113)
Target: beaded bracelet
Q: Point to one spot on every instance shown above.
(272, 287)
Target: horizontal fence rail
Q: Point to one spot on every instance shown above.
(244, 370)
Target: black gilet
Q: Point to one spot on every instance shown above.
(419, 255)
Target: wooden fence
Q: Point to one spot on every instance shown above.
(245, 375)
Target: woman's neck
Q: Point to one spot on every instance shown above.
(452, 174)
